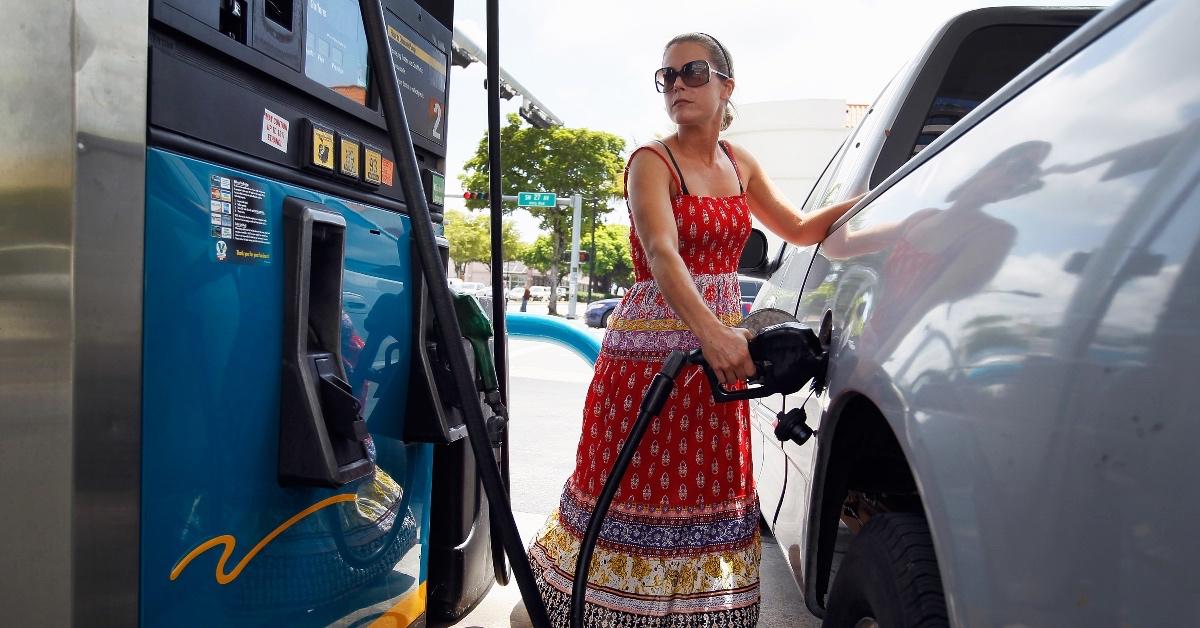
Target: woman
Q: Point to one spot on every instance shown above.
(681, 544)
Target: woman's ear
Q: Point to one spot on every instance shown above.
(727, 88)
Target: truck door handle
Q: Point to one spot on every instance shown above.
(321, 430)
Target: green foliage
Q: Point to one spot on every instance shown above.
(540, 254)
(470, 237)
(560, 160)
(613, 264)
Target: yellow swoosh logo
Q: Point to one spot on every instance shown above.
(230, 542)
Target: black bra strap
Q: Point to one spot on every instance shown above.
(682, 186)
(736, 170)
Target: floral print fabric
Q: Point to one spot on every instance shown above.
(680, 546)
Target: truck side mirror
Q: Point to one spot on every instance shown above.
(754, 255)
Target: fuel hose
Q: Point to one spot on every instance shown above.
(652, 403)
(449, 332)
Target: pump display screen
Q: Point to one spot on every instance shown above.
(335, 48)
(421, 69)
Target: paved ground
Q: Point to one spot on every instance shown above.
(548, 388)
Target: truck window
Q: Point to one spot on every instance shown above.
(846, 177)
(987, 60)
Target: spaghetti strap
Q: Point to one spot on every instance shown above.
(629, 162)
(682, 184)
(736, 170)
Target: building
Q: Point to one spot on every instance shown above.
(515, 274)
(794, 139)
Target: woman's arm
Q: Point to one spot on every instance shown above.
(774, 211)
(724, 348)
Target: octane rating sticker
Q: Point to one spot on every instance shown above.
(274, 131)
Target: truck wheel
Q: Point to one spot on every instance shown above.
(889, 578)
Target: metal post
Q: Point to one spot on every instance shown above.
(592, 260)
(499, 293)
(577, 201)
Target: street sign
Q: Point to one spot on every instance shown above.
(536, 199)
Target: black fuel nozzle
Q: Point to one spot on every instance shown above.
(793, 426)
(786, 357)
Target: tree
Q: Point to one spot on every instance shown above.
(470, 237)
(560, 160)
(613, 263)
(540, 255)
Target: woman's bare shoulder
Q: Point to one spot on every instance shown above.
(652, 146)
(746, 160)
(649, 168)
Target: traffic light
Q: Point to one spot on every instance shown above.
(583, 257)
(475, 196)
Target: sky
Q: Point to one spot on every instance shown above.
(592, 63)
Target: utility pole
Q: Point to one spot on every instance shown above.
(573, 295)
(551, 199)
(592, 260)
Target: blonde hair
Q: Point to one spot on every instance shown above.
(720, 59)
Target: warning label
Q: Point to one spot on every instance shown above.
(274, 130)
(245, 224)
(387, 170)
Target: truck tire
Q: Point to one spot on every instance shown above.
(889, 578)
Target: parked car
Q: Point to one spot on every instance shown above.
(599, 312)
(515, 293)
(1011, 322)
(539, 293)
(749, 288)
(468, 287)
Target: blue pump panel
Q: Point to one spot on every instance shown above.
(223, 543)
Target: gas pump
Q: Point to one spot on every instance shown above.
(254, 395)
(291, 457)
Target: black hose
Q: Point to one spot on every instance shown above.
(499, 292)
(450, 334)
(651, 405)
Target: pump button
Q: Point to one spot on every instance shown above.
(349, 156)
(320, 147)
(372, 165)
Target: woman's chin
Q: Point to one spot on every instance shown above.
(682, 117)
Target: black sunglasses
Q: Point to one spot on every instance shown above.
(694, 74)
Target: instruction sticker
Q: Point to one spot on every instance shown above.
(241, 226)
(274, 131)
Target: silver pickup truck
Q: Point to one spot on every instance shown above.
(1011, 317)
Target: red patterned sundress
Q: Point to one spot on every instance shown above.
(681, 546)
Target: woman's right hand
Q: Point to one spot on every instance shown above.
(727, 351)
